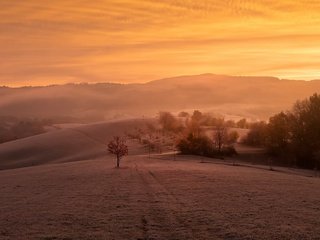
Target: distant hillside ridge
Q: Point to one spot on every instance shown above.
(255, 97)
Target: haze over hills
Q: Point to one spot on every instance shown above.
(253, 97)
(66, 144)
(62, 184)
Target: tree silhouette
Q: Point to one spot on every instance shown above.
(278, 130)
(118, 147)
(306, 131)
(294, 136)
(220, 136)
(168, 122)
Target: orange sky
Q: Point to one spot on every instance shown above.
(47, 42)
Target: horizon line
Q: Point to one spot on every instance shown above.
(154, 80)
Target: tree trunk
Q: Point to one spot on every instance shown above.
(118, 162)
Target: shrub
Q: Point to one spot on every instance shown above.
(203, 146)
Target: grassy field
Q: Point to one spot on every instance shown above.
(47, 193)
(156, 199)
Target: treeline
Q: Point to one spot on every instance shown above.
(293, 137)
(200, 134)
(13, 128)
(152, 138)
(206, 119)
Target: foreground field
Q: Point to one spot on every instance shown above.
(156, 199)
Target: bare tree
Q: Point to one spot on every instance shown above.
(118, 147)
(220, 136)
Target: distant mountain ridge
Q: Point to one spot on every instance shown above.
(256, 97)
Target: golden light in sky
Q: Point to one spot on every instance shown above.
(48, 42)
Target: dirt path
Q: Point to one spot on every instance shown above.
(163, 211)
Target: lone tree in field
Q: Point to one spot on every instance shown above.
(118, 147)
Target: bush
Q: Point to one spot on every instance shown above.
(197, 145)
(169, 122)
(257, 135)
(201, 145)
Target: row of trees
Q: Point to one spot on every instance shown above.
(206, 119)
(293, 136)
(171, 123)
(195, 136)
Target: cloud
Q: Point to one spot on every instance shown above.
(45, 42)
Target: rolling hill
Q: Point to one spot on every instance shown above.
(68, 144)
(253, 97)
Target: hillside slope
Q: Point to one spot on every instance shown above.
(65, 145)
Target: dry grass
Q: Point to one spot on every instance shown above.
(156, 199)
